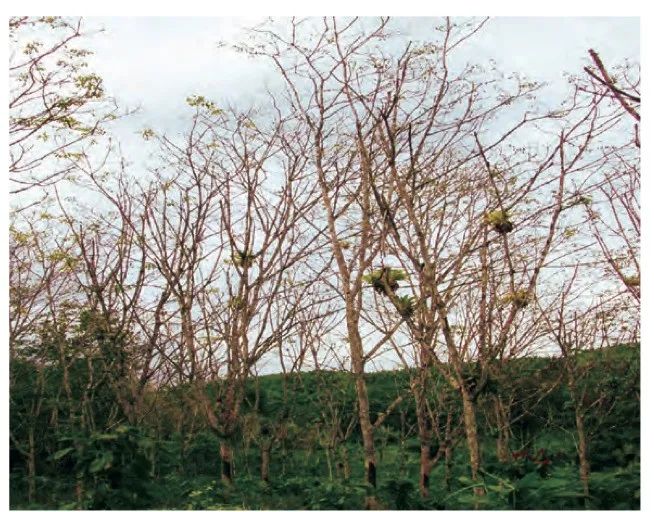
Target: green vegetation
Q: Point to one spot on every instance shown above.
(170, 460)
(520, 298)
(243, 259)
(500, 220)
(383, 277)
(148, 292)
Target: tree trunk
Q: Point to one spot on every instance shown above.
(367, 431)
(345, 461)
(424, 435)
(449, 443)
(582, 446)
(472, 438)
(448, 467)
(31, 468)
(503, 432)
(79, 490)
(228, 408)
(328, 455)
(367, 434)
(425, 469)
(584, 464)
(502, 448)
(227, 470)
(265, 462)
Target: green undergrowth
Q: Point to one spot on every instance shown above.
(171, 460)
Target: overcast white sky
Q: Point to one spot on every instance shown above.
(156, 62)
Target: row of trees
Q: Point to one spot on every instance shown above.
(385, 201)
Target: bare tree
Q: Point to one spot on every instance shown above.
(111, 271)
(575, 329)
(57, 107)
(227, 235)
(37, 272)
(613, 203)
(323, 85)
(444, 210)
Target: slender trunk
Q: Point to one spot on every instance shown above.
(345, 462)
(424, 435)
(472, 438)
(228, 412)
(502, 448)
(79, 477)
(79, 491)
(284, 457)
(367, 430)
(584, 464)
(31, 468)
(182, 456)
(425, 469)
(328, 454)
(351, 296)
(265, 462)
(188, 335)
(447, 452)
(402, 451)
(448, 467)
(152, 456)
(367, 434)
(503, 434)
(227, 470)
(582, 445)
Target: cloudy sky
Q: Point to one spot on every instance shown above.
(157, 62)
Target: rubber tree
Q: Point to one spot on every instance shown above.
(57, 107)
(31, 273)
(111, 270)
(320, 75)
(578, 326)
(228, 237)
(444, 202)
(612, 200)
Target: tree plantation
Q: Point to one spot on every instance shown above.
(398, 278)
